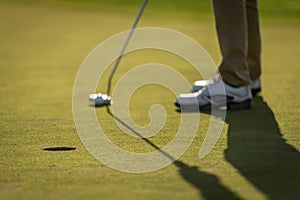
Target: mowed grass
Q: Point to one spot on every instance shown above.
(43, 45)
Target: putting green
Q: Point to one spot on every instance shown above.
(43, 44)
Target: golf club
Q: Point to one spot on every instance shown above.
(104, 99)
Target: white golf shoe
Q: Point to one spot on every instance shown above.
(217, 93)
(254, 85)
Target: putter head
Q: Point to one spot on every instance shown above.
(100, 100)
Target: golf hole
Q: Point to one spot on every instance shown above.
(59, 148)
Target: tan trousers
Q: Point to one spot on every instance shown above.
(237, 24)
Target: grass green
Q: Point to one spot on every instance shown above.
(43, 44)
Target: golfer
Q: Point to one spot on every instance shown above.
(237, 25)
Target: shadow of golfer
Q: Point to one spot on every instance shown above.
(258, 151)
(207, 185)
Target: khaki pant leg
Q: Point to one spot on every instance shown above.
(254, 40)
(231, 25)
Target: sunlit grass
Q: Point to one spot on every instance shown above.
(43, 45)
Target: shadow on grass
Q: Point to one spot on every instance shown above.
(258, 151)
(208, 185)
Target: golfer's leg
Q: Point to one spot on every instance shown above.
(231, 24)
(254, 40)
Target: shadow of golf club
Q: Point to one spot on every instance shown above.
(207, 185)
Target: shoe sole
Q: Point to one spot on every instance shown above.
(253, 91)
(230, 105)
(240, 105)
